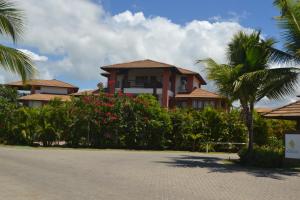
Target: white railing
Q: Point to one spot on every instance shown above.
(144, 91)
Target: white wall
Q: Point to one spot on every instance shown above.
(196, 83)
(53, 90)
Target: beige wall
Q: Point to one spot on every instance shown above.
(52, 90)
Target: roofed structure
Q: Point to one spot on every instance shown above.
(86, 92)
(150, 64)
(44, 97)
(38, 82)
(290, 112)
(199, 93)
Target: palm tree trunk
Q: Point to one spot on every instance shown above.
(250, 129)
(248, 115)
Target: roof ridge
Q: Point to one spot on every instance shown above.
(128, 62)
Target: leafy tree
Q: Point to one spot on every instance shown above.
(248, 76)
(12, 25)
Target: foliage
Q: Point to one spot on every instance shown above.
(263, 156)
(193, 129)
(121, 121)
(8, 94)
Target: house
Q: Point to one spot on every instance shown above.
(35, 93)
(172, 85)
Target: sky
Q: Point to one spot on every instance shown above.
(70, 39)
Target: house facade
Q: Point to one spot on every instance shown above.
(35, 93)
(172, 85)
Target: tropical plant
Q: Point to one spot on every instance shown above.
(289, 22)
(248, 76)
(12, 25)
(9, 94)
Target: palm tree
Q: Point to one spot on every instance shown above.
(11, 25)
(248, 76)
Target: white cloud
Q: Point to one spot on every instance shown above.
(83, 36)
(34, 56)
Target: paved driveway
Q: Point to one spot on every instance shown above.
(50, 174)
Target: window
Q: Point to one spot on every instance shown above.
(183, 83)
(141, 80)
(198, 104)
(182, 104)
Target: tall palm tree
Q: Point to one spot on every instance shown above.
(11, 25)
(289, 22)
(248, 76)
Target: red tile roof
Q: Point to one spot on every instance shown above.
(142, 64)
(37, 82)
(44, 97)
(199, 93)
(86, 92)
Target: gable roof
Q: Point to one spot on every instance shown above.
(290, 111)
(39, 82)
(150, 64)
(44, 97)
(86, 92)
(199, 93)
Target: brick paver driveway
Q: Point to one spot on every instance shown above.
(51, 174)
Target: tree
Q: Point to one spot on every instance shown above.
(289, 22)
(248, 76)
(11, 24)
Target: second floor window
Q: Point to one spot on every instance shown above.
(141, 80)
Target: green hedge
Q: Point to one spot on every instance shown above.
(121, 121)
(263, 156)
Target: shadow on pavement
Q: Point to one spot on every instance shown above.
(221, 165)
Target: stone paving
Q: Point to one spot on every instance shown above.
(59, 174)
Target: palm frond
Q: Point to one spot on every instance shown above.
(273, 83)
(17, 62)
(279, 82)
(222, 75)
(11, 20)
(289, 22)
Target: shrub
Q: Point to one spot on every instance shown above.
(263, 156)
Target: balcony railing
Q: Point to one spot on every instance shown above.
(145, 84)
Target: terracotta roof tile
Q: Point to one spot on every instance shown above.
(44, 97)
(37, 82)
(199, 93)
(290, 111)
(138, 64)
